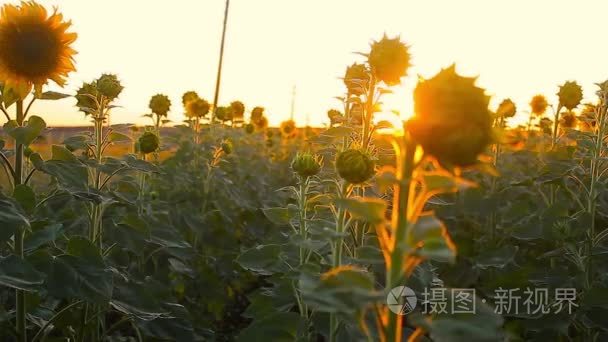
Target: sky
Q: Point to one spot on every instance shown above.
(518, 48)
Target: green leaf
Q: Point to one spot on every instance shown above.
(9, 97)
(81, 274)
(431, 240)
(19, 274)
(134, 299)
(61, 153)
(52, 95)
(442, 182)
(73, 175)
(25, 196)
(345, 289)
(43, 236)
(76, 142)
(11, 219)
(279, 327)
(365, 208)
(280, 216)
(25, 134)
(263, 259)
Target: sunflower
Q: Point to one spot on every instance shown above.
(160, 104)
(34, 47)
(288, 129)
(506, 109)
(197, 108)
(538, 105)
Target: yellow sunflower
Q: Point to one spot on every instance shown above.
(34, 47)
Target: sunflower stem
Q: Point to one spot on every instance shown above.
(19, 235)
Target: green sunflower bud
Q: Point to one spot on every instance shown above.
(355, 166)
(227, 146)
(109, 86)
(306, 165)
(148, 143)
(84, 95)
(389, 60)
(456, 128)
(160, 104)
(538, 105)
(249, 128)
(570, 95)
(356, 79)
(506, 109)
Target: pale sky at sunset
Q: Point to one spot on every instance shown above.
(518, 47)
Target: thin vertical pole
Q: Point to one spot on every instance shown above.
(293, 102)
(219, 67)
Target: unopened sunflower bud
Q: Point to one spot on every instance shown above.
(570, 95)
(457, 128)
(355, 166)
(148, 143)
(389, 60)
(85, 97)
(249, 128)
(356, 79)
(306, 165)
(109, 86)
(227, 146)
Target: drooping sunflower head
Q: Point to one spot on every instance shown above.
(506, 109)
(160, 104)
(452, 122)
(355, 166)
(109, 86)
(288, 128)
(356, 79)
(570, 95)
(238, 109)
(34, 47)
(306, 164)
(223, 113)
(538, 105)
(148, 143)
(389, 60)
(197, 108)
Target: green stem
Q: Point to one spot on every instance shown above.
(369, 113)
(555, 127)
(19, 235)
(400, 226)
(303, 233)
(337, 260)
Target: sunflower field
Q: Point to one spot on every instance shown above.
(457, 225)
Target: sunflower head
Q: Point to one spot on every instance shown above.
(452, 121)
(189, 96)
(538, 105)
(389, 60)
(355, 166)
(238, 109)
(306, 165)
(570, 95)
(288, 128)
(223, 113)
(568, 120)
(197, 108)
(160, 104)
(249, 128)
(85, 97)
(356, 114)
(148, 143)
(356, 79)
(257, 113)
(545, 125)
(261, 124)
(506, 109)
(109, 86)
(36, 47)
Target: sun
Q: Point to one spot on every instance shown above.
(34, 47)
